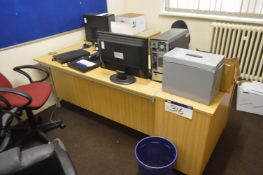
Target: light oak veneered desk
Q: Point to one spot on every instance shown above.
(141, 106)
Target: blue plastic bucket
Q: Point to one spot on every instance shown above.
(155, 156)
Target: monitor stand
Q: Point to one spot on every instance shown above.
(121, 78)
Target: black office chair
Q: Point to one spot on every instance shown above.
(180, 24)
(40, 160)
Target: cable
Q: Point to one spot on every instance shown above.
(52, 115)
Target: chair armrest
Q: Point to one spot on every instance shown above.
(17, 92)
(7, 117)
(64, 158)
(19, 69)
(5, 131)
(5, 140)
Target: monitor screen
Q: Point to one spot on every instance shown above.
(124, 53)
(96, 22)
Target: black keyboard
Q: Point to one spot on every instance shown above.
(70, 56)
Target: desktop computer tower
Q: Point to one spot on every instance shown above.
(94, 22)
(163, 43)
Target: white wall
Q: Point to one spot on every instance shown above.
(200, 30)
(116, 6)
(25, 54)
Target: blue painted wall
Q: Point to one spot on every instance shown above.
(26, 20)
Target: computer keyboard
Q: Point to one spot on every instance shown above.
(70, 56)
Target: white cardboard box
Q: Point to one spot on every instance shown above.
(250, 97)
(119, 27)
(137, 22)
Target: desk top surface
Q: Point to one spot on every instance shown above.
(143, 87)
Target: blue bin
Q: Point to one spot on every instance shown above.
(155, 156)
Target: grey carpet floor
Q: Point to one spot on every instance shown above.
(98, 146)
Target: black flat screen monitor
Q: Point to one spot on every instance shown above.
(124, 53)
(96, 22)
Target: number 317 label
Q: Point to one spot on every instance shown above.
(179, 109)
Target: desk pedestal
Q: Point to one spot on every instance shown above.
(196, 138)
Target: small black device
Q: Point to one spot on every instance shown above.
(94, 22)
(70, 56)
(126, 54)
(84, 65)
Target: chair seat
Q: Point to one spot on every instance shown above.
(39, 93)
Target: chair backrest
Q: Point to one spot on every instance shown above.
(180, 24)
(4, 82)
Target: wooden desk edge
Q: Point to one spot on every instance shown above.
(115, 86)
(210, 110)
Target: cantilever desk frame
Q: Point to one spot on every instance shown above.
(141, 106)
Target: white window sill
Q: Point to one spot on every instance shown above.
(213, 17)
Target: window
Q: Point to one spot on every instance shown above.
(233, 9)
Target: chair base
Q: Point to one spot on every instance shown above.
(39, 132)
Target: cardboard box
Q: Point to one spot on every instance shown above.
(250, 97)
(230, 74)
(123, 28)
(136, 22)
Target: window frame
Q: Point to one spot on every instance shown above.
(224, 17)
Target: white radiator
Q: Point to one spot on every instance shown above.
(244, 42)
